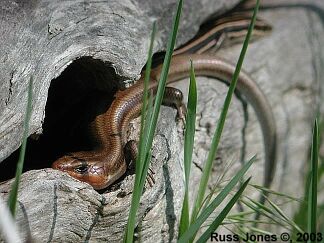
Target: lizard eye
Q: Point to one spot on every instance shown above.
(81, 169)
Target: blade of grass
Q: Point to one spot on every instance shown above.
(194, 226)
(145, 157)
(221, 122)
(240, 215)
(303, 211)
(285, 217)
(15, 186)
(312, 196)
(217, 186)
(152, 121)
(145, 116)
(268, 212)
(275, 218)
(260, 231)
(164, 74)
(265, 208)
(151, 127)
(219, 219)
(141, 149)
(188, 147)
(240, 221)
(269, 191)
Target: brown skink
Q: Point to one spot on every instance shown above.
(103, 166)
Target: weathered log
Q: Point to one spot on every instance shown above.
(42, 38)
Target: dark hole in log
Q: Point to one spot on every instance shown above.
(83, 90)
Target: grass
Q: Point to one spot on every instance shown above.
(12, 201)
(220, 125)
(188, 228)
(200, 202)
(202, 209)
(316, 170)
(141, 163)
(306, 220)
(148, 128)
(7, 223)
(312, 195)
(188, 147)
(219, 219)
(189, 234)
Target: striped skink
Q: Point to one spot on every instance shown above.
(104, 165)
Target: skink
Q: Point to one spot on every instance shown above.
(104, 165)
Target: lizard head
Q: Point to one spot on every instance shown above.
(93, 173)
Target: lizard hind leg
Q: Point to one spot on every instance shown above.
(174, 97)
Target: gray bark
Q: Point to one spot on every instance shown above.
(43, 37)
(287, 65)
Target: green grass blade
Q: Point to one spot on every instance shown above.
(151, 128)
(273, 217)
(217, 186)
(312, 196)
(164, 74)
(146, 155)
(188, 147)
(185, 218)
(140, 161)
(152, 121)
(285, 217)
(268, 191)
(260, 231)
(218, 221)
(221, 121)
(141, 148)
(190, 122)
(194, 226)
(14, 189)
(274, 213)
(304, 210)
(261, 206)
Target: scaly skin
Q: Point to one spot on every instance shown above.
(102, 167)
